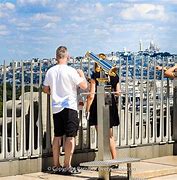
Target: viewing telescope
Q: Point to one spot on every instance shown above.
(107, 66)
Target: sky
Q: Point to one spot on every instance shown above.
(35, 28)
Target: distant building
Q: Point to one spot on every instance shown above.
(140, 45)
(153, 47)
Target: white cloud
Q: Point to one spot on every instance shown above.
(41, 39)
(99, 7)
(170, 1)
(42, 16)
(79, 18)
(61, 5)
(49, 26)
(74, 25)
(3, 30)
(18, 52)
(85, 11)
(2, 27)
(137, 27)
(20, 24)
(2, 14)
(33, 2)
(101, 32)
(5, 8)
(109, 19)
(118, 5)
(144, 11)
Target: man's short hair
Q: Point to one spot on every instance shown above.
(61, 52)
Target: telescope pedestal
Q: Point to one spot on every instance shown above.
(103, 132)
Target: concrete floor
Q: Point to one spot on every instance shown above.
(152, 169)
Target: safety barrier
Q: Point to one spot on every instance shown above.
(145, 110)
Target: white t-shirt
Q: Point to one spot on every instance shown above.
(63, 81)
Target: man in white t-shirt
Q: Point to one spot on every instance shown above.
(61, 82)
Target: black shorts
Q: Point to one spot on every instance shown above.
(66, 122)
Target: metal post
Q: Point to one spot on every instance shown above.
(174, 135)
(103, 131)
(4, 120)
(23, 126)
(129, 171)
(88, 68)
(40, 127)
(13, 136)
(31, 124)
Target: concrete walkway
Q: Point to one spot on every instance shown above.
(153, 169)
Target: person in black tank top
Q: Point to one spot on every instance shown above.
(91, 106)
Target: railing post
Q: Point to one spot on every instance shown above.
(174, 135)
(4, 120)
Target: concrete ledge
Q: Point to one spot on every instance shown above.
(15, 167)
(151, 168)
(146, 169)
(147, 151)
(24, 166)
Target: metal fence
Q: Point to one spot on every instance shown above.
(26, 126)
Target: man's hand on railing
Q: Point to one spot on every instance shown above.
(46, 89)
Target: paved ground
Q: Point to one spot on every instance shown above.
(153, 169)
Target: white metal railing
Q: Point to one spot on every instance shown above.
(144, 112)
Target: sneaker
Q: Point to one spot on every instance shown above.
(70, 171)
(56, 170)
(115, 166)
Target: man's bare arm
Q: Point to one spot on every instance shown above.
(83, 84)
(170, 72)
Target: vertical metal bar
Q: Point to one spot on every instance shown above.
(39, 122)
(23, 129)
(129, 171)
(13, 135)
(171, 112)
(4, 123)
(134, 103)
(154, 136)
(161, 106)
(88, 146)
(167, 108)
(168, 124)
(148, 105)
(82, 131)
(126, 106)
(48, 125)
(31, 124)
(119, 129)
(51, 124)
(88, 67)
(175, 111)
(141, 104)
(73, 62)
(93, 138)
(81, 64)
(80, 145)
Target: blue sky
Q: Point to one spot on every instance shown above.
(35, 28)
